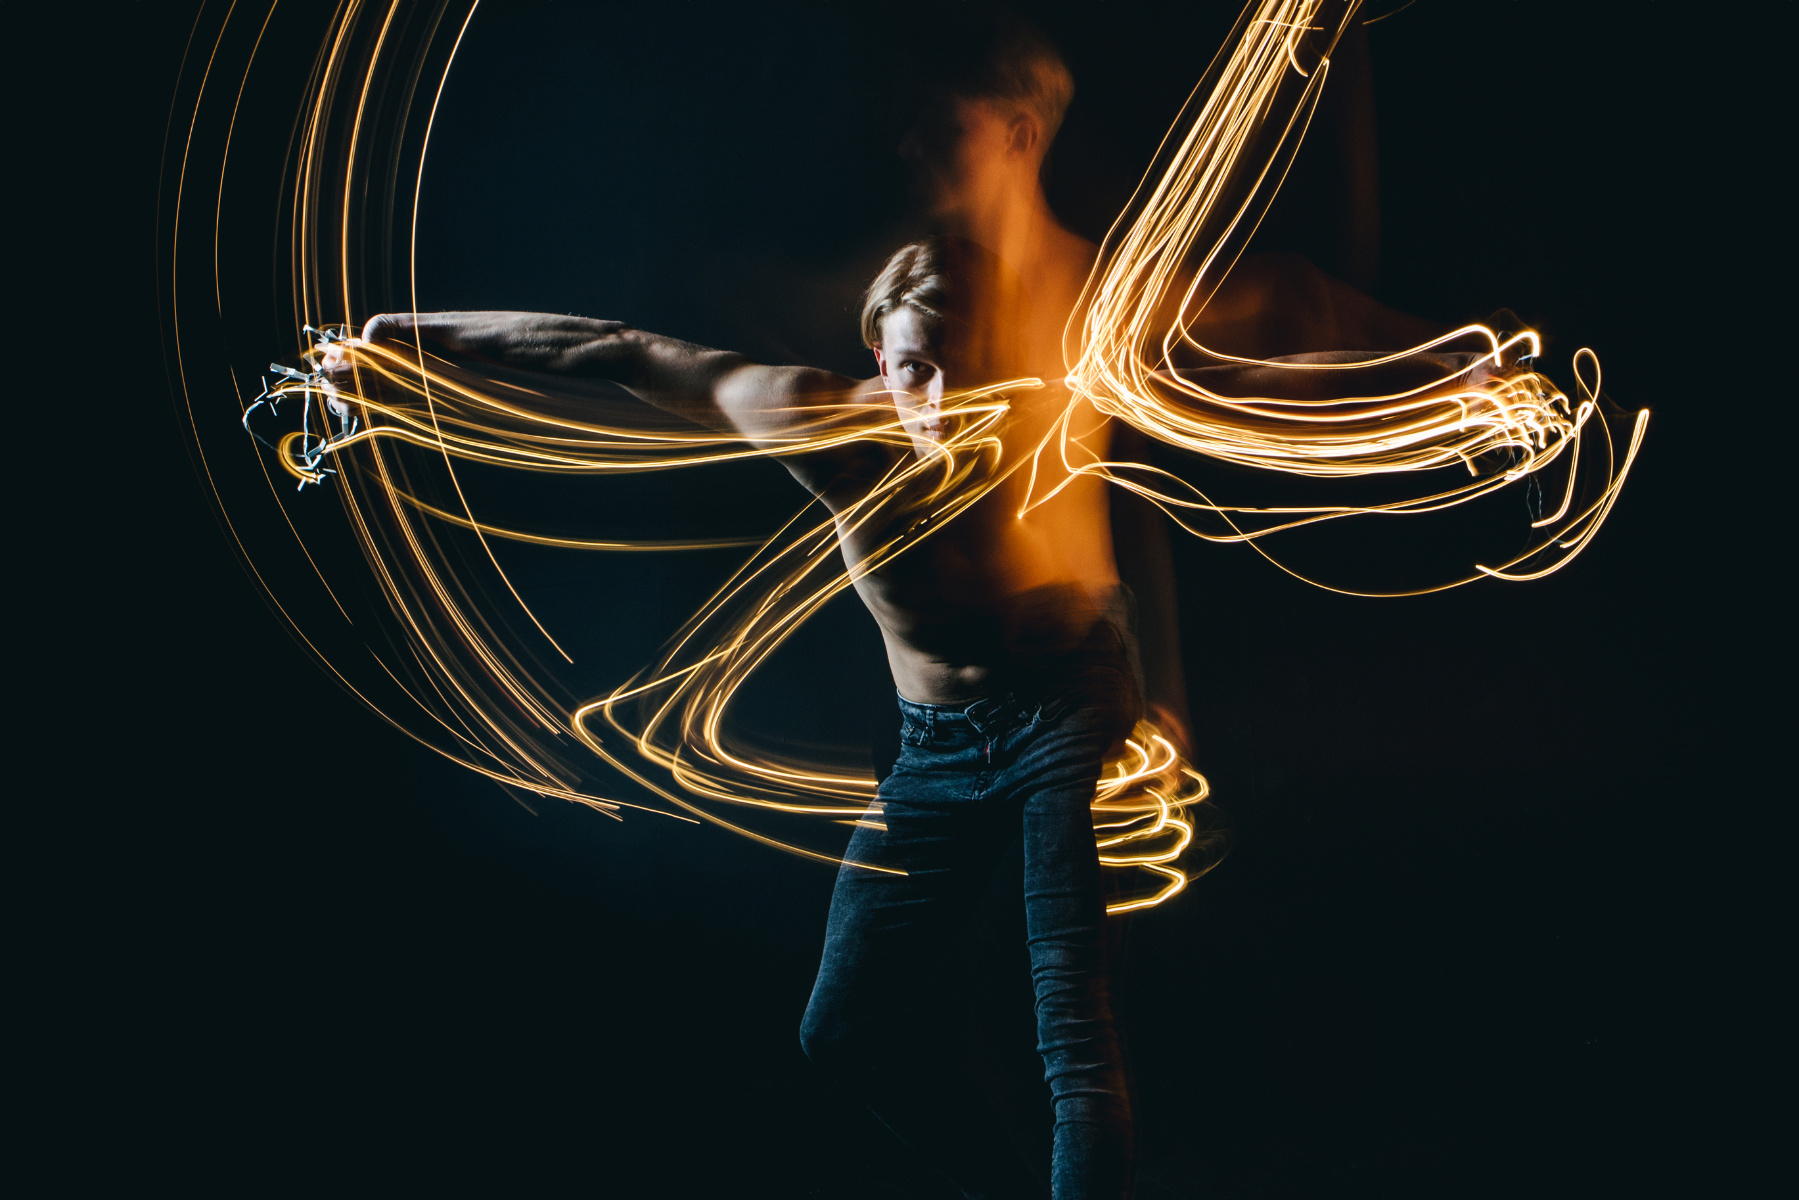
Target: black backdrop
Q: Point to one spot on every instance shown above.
(1494, 917)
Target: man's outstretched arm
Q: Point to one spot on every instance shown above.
(1146, 566)
(718, 389)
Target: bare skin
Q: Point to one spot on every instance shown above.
(987, 187)
(942, 608)
(937, 605)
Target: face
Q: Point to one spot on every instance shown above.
(967, 152)
(912, 360)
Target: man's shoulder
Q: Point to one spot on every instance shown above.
(1066, 262)
(1076, 250)
(844, 469)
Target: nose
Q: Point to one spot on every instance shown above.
(932, 410)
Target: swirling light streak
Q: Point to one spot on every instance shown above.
(1136, 357)
(1141, 367)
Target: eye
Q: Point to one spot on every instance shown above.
(919, 368)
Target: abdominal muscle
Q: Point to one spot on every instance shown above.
(981, 598)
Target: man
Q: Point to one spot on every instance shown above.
(991, 114)
(1008, 635)
(1009, 646)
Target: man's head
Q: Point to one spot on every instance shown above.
(993, 101)
(937, 318)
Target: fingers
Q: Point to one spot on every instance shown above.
(1172, 725)
(334, 400)
(334, 363)
(334, 358)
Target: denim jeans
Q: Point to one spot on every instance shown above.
(972, 782)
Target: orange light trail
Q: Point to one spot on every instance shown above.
(1467, 406)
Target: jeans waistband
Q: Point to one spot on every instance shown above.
(985, 716)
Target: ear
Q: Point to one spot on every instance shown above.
(880, 361)
(1024, 135)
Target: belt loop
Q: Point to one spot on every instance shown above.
(978, 716)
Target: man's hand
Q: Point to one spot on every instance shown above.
(1173, 726)
(334, 368)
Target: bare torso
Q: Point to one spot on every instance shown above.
(955, 608)
(962, 605)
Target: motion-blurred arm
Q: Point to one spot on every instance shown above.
(1146, 565)
(717, 389)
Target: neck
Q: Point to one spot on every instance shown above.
(1013, 223)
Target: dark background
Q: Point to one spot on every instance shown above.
(1498, 917)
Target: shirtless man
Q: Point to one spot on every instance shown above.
(1009, 637)
(1008, 643)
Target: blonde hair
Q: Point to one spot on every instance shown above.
(1025, 69)
(992, 54)
(916, 277)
